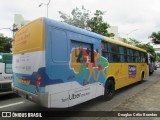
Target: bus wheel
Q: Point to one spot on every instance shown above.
(109, 90)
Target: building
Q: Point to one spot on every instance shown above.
(19, 21)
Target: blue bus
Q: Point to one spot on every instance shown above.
(58, 65)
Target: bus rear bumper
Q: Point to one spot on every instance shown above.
(41, 99)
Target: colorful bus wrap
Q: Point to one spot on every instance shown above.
(59, 65)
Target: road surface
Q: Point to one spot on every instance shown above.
(16, 103)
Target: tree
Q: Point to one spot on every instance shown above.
(125, 40)
(81, 18)
(5, 44)
(155, 37)
(97, 25)
(158, 57)
(149, 48)
(134, 42)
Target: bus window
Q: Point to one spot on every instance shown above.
(143, 57)
(105, 54)
(125, 55)
(8, 68)
(121, 49)
(83, 52)
(130, 55)
(105, 51)
(115, 52)
(105, 46)
(136, 56)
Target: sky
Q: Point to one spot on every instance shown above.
(137, 18)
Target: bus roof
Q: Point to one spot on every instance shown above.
(72, 28)
(6, 57)
(107, 39)
(88, 33)
(57, 24)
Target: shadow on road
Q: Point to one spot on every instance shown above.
(8, 96)
(124, 89)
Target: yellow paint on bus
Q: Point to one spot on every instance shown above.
(120, 71)
(29, 38)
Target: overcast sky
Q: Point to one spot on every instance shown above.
(128, 15)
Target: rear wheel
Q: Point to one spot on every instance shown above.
(109, 90)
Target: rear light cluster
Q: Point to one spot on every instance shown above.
(39, 79)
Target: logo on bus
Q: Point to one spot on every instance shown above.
(132, 71)
(74, 96)
(8, 77)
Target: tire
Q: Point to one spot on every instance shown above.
(109, 90)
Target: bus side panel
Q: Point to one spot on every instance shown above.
(70, 86)
(26, 68)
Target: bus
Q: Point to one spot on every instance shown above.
(6, 75)
(151, 63)
(57, 65)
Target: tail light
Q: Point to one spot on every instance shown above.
(39, 79)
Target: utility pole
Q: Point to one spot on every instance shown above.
(46, 5)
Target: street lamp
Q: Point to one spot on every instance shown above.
(127, 34)
(46, 5)
(131, 32)
(13, 30)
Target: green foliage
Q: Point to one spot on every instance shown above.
(158, 57)
(125, 40)
(81, 18)
(149, 48)
(134, 42)
(5, 44)
(97, 25)
(155, 37)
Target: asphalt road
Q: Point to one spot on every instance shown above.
(16, 103)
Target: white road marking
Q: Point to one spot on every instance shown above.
(4, 106)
